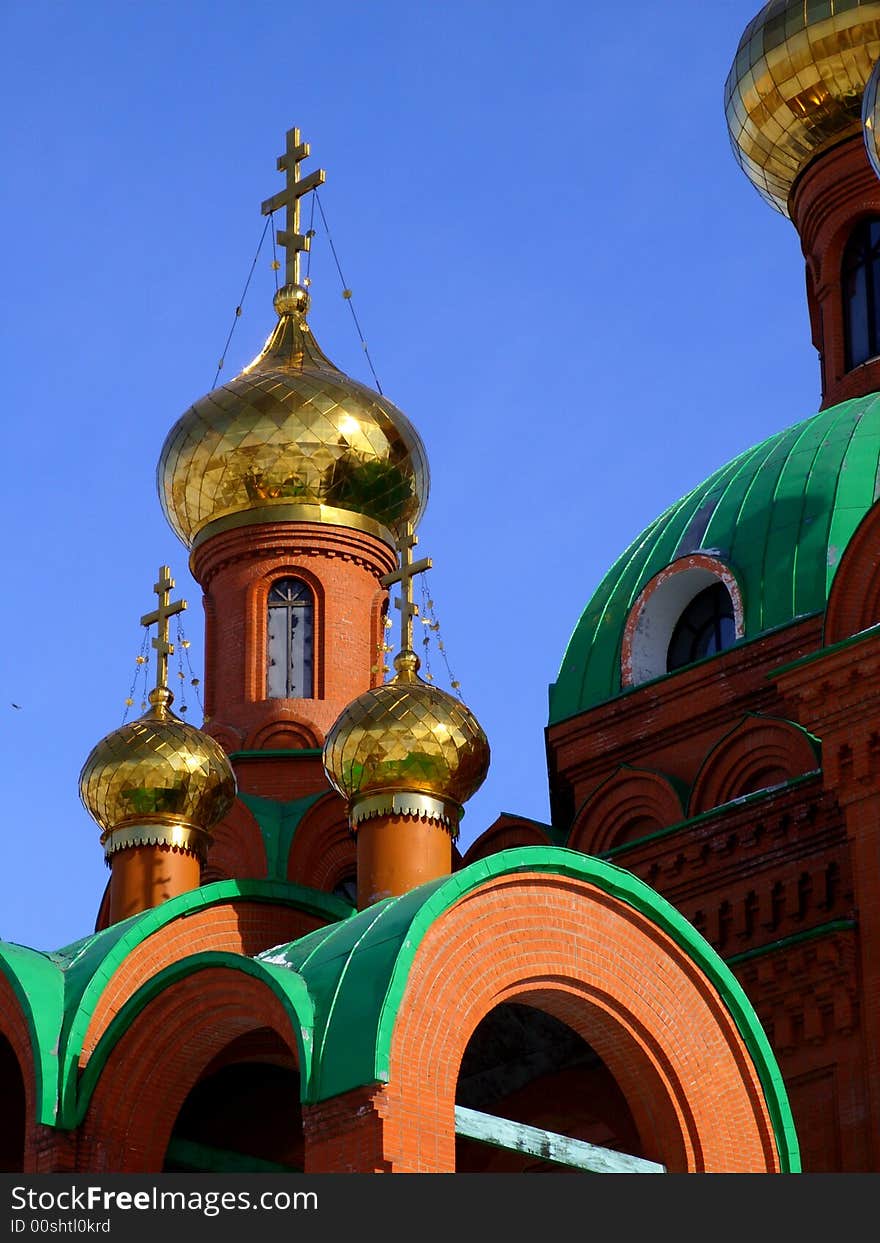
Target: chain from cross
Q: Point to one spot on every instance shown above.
(290, 237)
(407, 572)
(159, 618)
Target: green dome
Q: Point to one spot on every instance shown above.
(780, 515)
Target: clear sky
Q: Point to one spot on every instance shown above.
(562, 275)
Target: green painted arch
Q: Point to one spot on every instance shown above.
(288, 988)
(90, 964)
(780, 515)
(38, 984)
(357, 971)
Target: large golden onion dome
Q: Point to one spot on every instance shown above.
(157, 781)
(403, 739)
(796, 84)
(292, 438)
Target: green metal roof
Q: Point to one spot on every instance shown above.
(780, 515)
(357, 971)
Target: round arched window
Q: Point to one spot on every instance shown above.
(705, 627)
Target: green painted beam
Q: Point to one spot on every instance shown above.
(576, 1153)
(205, 1159)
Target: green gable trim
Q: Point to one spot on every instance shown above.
(278, 823)
(780, 515)
(744, 800)
(357, 973)
(863, 636)
(91, 963)
(38, 985)
(796, 938)
(288, 988)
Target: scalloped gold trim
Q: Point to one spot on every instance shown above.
(405, 803)
(181, 836)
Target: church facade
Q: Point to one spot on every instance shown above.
(294, 968)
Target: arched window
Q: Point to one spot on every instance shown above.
(861, 292)
(706, 626)
(291, 642)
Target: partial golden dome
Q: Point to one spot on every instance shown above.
(406, 737)
(795, 87)
(157, 781)
(292, 438)
(871, 118)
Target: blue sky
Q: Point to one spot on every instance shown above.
(562, 275)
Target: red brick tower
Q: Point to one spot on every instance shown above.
(291, 485)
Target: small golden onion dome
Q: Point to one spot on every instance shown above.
(406, 738)
(157, 781)
(292, 438)
(795, 87)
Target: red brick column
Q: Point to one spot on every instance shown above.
(837, 695)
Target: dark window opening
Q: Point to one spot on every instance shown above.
(861, 293)
(291, 641)
(705, 627)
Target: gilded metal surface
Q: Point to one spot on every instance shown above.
(290, 238)
(421, 806)
(795, 86)
(159, 618)
(157, 770)
(406, 736)
(404, 575)
(180, 836)
(871, 118)
(292, 429)
(293, 513)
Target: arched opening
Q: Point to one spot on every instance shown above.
(290, 647)
(524, 1066)
(706, 626)
(13, 1115)
(860, 281)
(243, 1115)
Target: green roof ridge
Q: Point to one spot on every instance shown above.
(278, 822)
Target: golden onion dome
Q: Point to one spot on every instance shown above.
(871, 118)
(795, 87)
(292, 438)
(404, 739)
(157, 781)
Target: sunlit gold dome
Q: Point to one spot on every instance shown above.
(292, 438)
(406, 737)
(157, 780)
(795, 87)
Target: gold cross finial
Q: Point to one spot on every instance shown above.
(159, 617)
(407, 572)
(290, 237)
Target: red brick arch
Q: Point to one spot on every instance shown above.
(567, 947)
(243, 927)
(236, 849)
(323, 851)
(760, 752)
(854, 600)
(14, 1026)
(629, 804)
(285, 730)
(507, 832)
(159, 1058)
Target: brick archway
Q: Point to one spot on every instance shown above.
(323, 852)
(760, 752)
(159, 1057)
(630, 803)
(854, 599)
(616, 978)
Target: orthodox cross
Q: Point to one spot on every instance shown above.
(407, 572)
(159, 618)
(290, 237)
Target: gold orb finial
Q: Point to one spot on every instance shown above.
(795, 87)
(292, 438)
